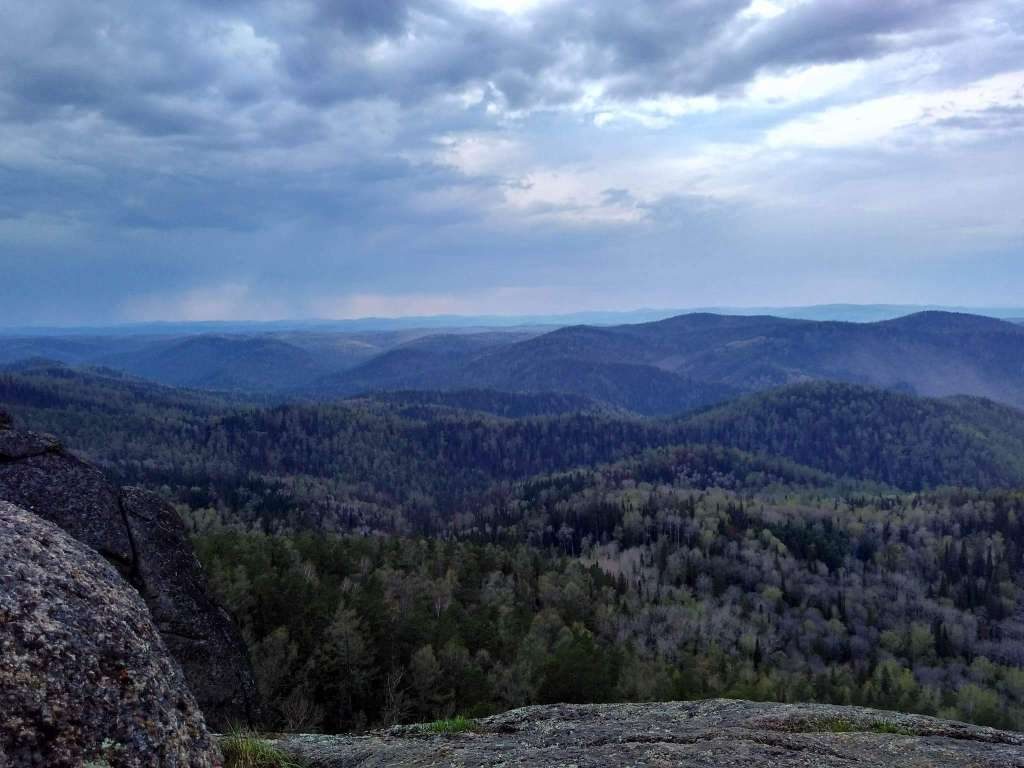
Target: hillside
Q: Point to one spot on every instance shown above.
(222, 363)
(509, 405)
(668, 367)
(691, 361)
(904, 441)
(72, 350)
(423, 363)
(618, 590)
(473, 563)
(392, 461)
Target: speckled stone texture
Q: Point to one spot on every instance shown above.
(84, 675)
(708, 734)
(143, 536)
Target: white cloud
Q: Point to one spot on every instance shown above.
(479, 153)
(511, 7)
(803, 84)
(768, 9)
(875, 120)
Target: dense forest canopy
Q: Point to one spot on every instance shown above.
(412, 555)
(910, 604)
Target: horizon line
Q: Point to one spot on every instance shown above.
(513, 319)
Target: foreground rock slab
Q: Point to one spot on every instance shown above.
(84, 675)
(145, 539)
(709, 734)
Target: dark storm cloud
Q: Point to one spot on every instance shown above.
(824, 33)
(642, 48)
(367, 17)
(141, 65)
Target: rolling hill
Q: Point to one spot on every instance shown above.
(441, 445)
(691, 361)
(222, 363)
(275, 362)
(869, 434)
(508, 405)
(661, 368)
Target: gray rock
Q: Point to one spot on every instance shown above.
(68, 492)
(200, 635)
(146, 540)
(710, 734)
(84, 675)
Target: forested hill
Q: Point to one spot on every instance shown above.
(411, 461)
(664, 368)
(690, 361)
(405, 559)
(510, 405)
(904, 441)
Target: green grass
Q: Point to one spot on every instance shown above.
(457, 724)
(245, 749)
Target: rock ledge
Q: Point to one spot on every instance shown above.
(720, 733)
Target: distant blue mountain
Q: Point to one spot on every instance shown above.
(667, 366)
(856, 313)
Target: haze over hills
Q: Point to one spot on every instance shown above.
(663, 367)
(690, 361)
(470, 323)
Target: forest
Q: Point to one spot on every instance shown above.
(910, 604)
(415, 556)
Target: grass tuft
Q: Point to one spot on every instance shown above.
(245, 749)
(457, 724)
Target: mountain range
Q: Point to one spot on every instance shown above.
(856, 313)
(669, 366)
(691, 361)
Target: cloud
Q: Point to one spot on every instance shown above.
(979, 106)
(154, 159)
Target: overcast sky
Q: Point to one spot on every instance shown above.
(221, 159)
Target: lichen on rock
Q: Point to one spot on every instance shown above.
(709, 734)
(84, 675)
(144, 538)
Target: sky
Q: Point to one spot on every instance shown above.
(260, 160)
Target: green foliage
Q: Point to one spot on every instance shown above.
(397, 562)
(903, 441)
(245, 749)
(893, 603)
(458, 724)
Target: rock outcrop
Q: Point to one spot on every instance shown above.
(84, 675)
(710, 734)
(143, 536)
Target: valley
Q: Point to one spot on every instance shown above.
(786, 531)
